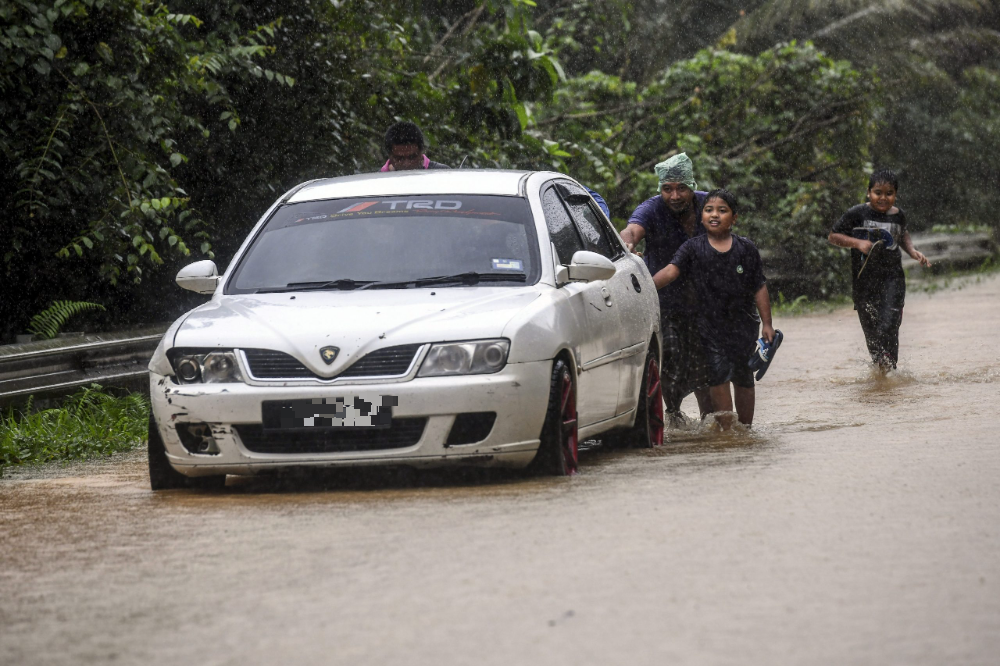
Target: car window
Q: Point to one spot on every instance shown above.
(562, 231)
(392, 240)
(589, 220)
(590, 226)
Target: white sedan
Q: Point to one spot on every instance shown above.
(420, 318)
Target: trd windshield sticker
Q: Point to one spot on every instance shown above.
(358, 207)
(404, 204)
(508, 265)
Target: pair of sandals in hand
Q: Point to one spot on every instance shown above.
(880, 239)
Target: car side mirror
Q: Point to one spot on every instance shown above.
(201, 277)
(589, 266)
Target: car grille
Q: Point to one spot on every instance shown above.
(267, 364)
(384, 362)
(401, 434)
(387, 362)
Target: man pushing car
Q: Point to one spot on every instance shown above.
(666, 221)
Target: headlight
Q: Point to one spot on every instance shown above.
(465, 358)
(208, 367)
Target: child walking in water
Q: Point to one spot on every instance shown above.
(875, 231)
(729, 277)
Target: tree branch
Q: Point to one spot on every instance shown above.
(107, 135)
(468, 28)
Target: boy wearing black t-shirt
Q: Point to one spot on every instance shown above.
(728, 275)
(875, 232)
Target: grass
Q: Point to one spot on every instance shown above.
(87, 424)
(802, 305)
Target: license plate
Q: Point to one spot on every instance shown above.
(320, 413)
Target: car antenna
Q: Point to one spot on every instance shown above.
(463, 162)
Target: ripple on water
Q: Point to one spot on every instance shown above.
(707, 435)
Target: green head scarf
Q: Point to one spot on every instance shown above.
(677, 169)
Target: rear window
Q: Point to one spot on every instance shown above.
(392, 240)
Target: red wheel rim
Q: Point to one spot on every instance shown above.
(654, 404)
(567, 417)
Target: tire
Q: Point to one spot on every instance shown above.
(647, 431)
(162, 476)
(558, 452)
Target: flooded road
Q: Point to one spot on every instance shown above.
(859, 523)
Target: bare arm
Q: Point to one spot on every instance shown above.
(763, 299)
(906, 243)
(666, 275)
(632, 234)
(851, 243)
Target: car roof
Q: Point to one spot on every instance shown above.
(418, 182)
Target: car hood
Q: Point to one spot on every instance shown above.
(356, 322)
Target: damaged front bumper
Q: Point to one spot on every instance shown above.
(210, 429)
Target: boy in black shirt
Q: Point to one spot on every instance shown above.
(875, 232)
(729, 277)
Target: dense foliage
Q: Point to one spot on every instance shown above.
(788, 131)
(89, 423)
(137, 135)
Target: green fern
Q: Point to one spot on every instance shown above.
(46, 324)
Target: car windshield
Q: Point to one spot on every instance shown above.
(400, 242)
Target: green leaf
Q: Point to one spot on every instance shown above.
(176, 158)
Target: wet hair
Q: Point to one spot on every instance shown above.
(403, 133)
(887, 176)
(726, 196)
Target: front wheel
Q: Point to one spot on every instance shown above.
(647, 432)
(558, 452)
(162, 476)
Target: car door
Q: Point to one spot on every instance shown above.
(595, 337)
(625, 289)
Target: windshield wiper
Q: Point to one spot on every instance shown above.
(347, 284)
(469, 279)
(344, 284)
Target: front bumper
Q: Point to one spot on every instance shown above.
(518, 394)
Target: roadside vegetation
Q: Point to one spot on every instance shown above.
(140, 135)
(87, 424)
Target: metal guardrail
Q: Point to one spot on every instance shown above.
(964, 250)
(63, 364)
(951, 250)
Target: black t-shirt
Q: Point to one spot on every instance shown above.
(885, 264)
(727, 283)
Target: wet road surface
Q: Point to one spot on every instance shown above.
(858, 523)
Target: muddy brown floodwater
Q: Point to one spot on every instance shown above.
(859, 523)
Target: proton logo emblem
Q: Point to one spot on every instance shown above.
(329, 354)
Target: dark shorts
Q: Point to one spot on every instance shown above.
(729, 363)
